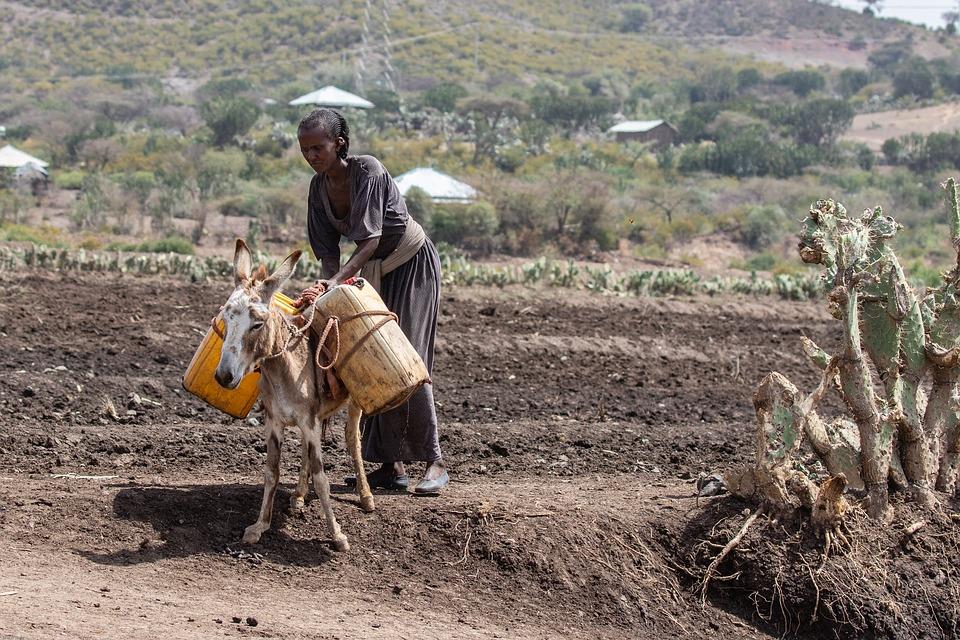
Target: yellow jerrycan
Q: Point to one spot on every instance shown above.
(199, 379)
(373, 358)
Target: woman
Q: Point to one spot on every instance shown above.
(355, 197)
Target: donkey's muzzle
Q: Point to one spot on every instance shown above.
(226, 380)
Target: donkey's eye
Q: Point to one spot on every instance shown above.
(256, 326)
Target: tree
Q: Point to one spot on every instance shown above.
(764, 225)
(889, 56)
(89, 212)
(139, 185)
(692, 126)
(578, 203)
(872, 8)
(851, 81)
(491, 116)
(635, 17)
(715, 85)
(443, 97)
(420, 206)
(802, 82)
(211, 175)
(820, 122)
(892, 150)
(914, 78)
(471, 226)
(229, 118)
(571, 112)
(748, 78)
(950, 18)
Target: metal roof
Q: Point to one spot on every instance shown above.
(438, 186)
(635, 126)
(10, 156)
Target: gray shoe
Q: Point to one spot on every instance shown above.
(432, 487)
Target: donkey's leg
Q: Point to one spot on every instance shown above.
(321, 485)
(299, 497)
(271, 475)
(353, 446)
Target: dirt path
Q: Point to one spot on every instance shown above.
(121, 559)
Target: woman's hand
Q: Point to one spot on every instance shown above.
(310, 294)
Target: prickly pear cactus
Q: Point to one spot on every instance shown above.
(902, 437)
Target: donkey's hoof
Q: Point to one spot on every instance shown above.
(251, 535)
(367, 504)
(340, 543)
(297, 504)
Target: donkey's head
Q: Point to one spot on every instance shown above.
(249, 336)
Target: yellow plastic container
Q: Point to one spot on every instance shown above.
(376, 362)
(199, 379)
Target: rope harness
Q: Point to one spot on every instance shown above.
(295, 334)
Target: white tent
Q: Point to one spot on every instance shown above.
(330, 96)
(13, 158)
(438, 186)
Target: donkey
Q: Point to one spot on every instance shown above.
(256, 334)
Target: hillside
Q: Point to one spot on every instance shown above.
(872, 129)
(486, 43)
(168, 119)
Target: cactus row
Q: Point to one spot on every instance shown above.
(456, 271)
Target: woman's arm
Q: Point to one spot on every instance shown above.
(363, 252)
(330, 266)
(333, 276)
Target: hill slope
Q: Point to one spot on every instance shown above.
(483, 42)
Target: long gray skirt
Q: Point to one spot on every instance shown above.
(409, 432)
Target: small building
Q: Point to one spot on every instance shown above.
(659, 132)
(23, 168)
(439, 186)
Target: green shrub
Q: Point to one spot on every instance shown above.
(420, 206)
(763, 225)
(72, 180)
(761, 262)
(914, 78)
(43, 235)
(802, 82)
(244, 205)
(635, 17)
(170, 244)
(471, 226)
(851, 81)
(229, 118)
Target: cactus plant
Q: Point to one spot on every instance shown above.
(903, 437)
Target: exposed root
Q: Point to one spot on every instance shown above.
(727, 549)
(865, 581)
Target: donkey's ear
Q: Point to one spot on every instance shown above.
(281, 274)
(242, 262)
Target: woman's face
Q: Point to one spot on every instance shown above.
(319, 149)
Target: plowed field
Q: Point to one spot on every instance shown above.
(575, 425)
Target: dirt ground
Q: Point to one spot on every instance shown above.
(575, 426)
(873, 129)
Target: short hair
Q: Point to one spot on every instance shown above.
(334, 124)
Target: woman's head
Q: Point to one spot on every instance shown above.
(324, 138)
